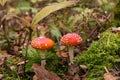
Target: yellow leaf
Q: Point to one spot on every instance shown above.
(49, 9)
(2, 2)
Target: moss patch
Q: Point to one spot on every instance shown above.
(103, 52)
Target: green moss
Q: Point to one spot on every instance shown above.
(101, 53)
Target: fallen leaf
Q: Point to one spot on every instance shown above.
(76, 77)
(1, 76)
(108, 76)
(28, 18)
(73, 69)
(22, 62)
(35, 77)
(2, 61)
(114, 29)
(16, 48)
(64, 54)
(42, 74)
(62, 47)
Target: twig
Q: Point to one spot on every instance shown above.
(106, 69)
(29, 39)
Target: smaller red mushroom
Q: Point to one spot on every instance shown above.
(42, 43)
(71, 40)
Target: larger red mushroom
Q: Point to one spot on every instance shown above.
(71, 40)
(42, 43)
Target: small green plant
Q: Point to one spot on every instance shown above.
(10, 70)
(101, 53)
(52, 61)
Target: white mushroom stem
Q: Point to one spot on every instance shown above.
(43, 59)
(71, 54)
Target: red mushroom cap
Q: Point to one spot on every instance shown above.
(71, 39)
(42, 43)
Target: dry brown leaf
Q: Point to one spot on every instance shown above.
(2, 61)
(22, 62)
(84, 78)
(64, 54)
(114, 29)
(35, 77)
(73, 69)
(3, 52)
(1, 76)
(43, 74)
(16, 48)
(62, 47)
(28, 18)
(76, 77)
(108, 76)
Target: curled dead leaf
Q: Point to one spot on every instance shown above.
(64, 54)
(42, 74)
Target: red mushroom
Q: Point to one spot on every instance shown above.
(42, 43)
(71, 40)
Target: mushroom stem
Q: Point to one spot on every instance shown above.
(71, 54)
(43, 59)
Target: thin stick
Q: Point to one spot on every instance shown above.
(106, 69)
(29, 39)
